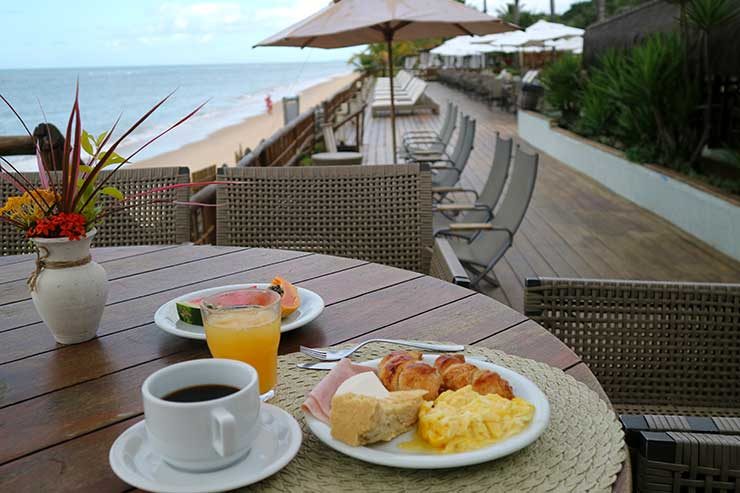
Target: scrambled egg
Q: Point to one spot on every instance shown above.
(462, 420)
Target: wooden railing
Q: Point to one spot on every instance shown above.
(286, 145)
(47, 137)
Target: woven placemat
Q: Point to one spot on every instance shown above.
(581, 450)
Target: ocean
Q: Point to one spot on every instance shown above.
(236, 91)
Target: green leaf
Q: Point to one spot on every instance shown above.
(85, 168)
(113, 159)
(87, 142)
(112, 192)
(100, 138)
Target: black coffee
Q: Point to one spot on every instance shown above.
(198, 393)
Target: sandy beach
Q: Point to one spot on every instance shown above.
(219, 147)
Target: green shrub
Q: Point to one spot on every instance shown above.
(562, 81)
(598, 109)
(641, 99)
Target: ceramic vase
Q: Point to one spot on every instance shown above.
(69, 290)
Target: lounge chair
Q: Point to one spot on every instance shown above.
(489, 241)
(667, 355)
(150, 224)
(482, 208)
(405, 102)
(447, 169)
(375, 213)
(424, 140)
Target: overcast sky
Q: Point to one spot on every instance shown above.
(75, 33)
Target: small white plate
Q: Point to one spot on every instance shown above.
(388, 453)
(277, 443)
(166, 316)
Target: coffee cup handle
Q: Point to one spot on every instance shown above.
(223, 431)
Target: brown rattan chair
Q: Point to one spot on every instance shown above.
(148, 224)
(376, 213)
(668, 357)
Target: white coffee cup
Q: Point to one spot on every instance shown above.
(204, 435)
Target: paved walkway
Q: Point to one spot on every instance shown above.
(574, 227)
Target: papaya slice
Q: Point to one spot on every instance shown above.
(289, 299)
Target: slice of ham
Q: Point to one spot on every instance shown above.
(318, 402)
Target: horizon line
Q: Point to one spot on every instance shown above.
(172, 65)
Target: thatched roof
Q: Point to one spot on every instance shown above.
(629, 28)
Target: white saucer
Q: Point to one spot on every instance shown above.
(166, 316)
(135, 463)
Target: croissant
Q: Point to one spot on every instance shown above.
(404, 370)
(456, 374)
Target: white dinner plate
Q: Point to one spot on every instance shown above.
(277, 443)
(388, 453)
(166, 316)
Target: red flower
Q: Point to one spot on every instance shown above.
(65, 224)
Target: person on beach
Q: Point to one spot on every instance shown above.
(268, 103)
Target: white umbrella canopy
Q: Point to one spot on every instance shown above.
(357, 22)
(574, 44)
(461, 46)
(543, 30)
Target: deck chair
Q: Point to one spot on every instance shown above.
(668, 357)
(374, 213)
(480, 253)
(409, 102)
(429, 139)
(448, 170)
(149, 224)
(481, 210)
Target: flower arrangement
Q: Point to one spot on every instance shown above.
(66, 204)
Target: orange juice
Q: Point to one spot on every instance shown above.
(249, 334)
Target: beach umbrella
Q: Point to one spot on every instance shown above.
(357, 22)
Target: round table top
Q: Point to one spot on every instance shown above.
(63, 406)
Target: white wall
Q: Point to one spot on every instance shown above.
(706, 216)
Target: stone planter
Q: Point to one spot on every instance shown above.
(68, 289)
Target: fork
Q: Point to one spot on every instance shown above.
(343, 353)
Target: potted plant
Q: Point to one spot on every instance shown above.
(59, 216)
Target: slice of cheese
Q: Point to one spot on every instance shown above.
(366, 383)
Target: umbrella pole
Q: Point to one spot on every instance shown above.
(389, 39)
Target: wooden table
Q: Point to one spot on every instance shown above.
(61, 407)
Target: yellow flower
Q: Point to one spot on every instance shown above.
(26, 210)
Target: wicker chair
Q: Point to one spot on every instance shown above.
(668, 357)
(151, 224)
(376, 213)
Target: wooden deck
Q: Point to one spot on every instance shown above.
(574, 227)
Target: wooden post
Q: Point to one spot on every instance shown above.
(51, 143)
(49, 139)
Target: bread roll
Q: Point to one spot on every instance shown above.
(456, 374)
(404, 370)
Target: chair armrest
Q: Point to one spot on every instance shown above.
(445, 264)
(439, 166)
(445, 190)
(455, 207)
(471, 227)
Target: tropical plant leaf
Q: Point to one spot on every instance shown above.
(112, 192)
(88, 143)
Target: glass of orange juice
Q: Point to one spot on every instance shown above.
(244, 325)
